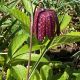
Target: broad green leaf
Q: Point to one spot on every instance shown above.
(27, 5)
(36, 75)
(22, 50)
(0, 76)
(8, 74)
(36, 47)
(77, 76)
(17, 42)
(24, 57)
(25, 19)
(76, 73)
(18, 73)
(66, 20)
(46, 72)
(25, 49)
(35, 57)
(64, 76)
(2, 60)
(65, 39)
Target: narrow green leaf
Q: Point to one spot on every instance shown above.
(25, 49)
(25, 57)
(65, 39)
(2, 60)
(76, 54)
(0, 76)
(66, 20)
(27, 5)
(60, 17)
(22, 50)
(16, 43)
(74, 33)
(8, 74)
(3, 8)
(22, 17)
(25, 19)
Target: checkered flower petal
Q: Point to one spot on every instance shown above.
(44, 24)
(50, 24)
(35, 22)
(41, 27)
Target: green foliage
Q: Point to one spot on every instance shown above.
(17, 42)
(65, 39)
(36, 76)
(1, 59)
(46, 72)
(65, 76)
(15, 17)
(65, 21)
(28, 6)
(17, 73)
(76, 74)
(0, 76)
(22, 17)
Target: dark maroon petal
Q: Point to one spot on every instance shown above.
(52, 27)
(50, 24)
(35, 22)
(57, 23)
(41, 27)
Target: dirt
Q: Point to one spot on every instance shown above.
(64, 53)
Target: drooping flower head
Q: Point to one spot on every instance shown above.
(45, 23)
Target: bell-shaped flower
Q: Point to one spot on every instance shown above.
(45, 24)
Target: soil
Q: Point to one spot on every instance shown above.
(65, 53)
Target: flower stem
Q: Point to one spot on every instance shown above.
(29, 60)
(43, 53)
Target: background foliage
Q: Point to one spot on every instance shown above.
(14, 41)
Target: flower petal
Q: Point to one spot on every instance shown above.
(41, 27)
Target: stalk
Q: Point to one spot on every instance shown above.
(29, 60)
(43, 53)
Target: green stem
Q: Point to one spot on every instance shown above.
(43, 53)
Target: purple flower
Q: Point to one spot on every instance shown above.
(45, 24)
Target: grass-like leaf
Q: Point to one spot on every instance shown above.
(17, 42)
(66, 20)
(27, 5)
(25, 19)
(65, 39)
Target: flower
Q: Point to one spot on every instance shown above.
(45, 24)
